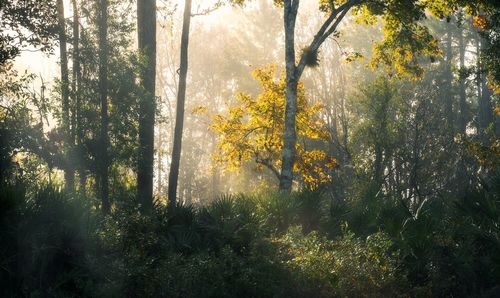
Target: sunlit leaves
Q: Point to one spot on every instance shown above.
(353, 57)
(198, 110)
(401, 47)
(480, 22)
(252, 131)
(486, 154)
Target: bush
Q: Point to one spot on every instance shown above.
(56, 244)
(46, 238)
(346, 267)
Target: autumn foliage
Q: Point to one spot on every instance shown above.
(252, 130)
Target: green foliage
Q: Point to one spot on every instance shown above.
(47, 237)
(489, 27)
(311, 57)
(244, 246)
(26, 23)
(417, 213)
(347, 267)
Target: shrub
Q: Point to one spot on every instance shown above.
(46, 237)
(347, 267)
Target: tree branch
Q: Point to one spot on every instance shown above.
(206, 11)
(327, 29)
(265, 162)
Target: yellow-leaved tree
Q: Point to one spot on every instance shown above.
(252, 131)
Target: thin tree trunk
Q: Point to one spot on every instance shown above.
(103, 91)
(215, 174)
(146, 31)
(289, 134)
(68, 170)
(77, 79)
(181, 97)
(463, 98)
(485, 107)
(159, 163)
(449, 78)
(484, 117)
(461, 169)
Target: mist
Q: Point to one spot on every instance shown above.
(257, 148)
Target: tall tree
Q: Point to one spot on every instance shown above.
(103, 93)
(181, 98)
(146, 33)
(69, 175)
(485, 109)
(448, 77)
(76, 84)
(294, 72)
(462, 45)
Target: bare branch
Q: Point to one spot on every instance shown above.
(209, 10)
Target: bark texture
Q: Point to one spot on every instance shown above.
(289, 133)
(146, 30)
(181, 98)
(69, 176)
(294, 72)
(103, 92)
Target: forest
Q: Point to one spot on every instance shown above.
(249, 148)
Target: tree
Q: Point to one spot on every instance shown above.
(27, 23)
(488, 24)
(76, 90)
(448, 77)
(103, 92)
(146, 33)
(69, 175)
(181, 98)
(405, 40)
(251, 131)
(462, 45)
(121, 96)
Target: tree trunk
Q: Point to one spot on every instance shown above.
(77, 79)
(463, 98)
(146, 31)
(461, 169)
(293, 74)
(69, 177)
(159, 164)
(485, 112)
(448, 94)
(181, 97)
(485, 107)
(289, 134)
(103, 92)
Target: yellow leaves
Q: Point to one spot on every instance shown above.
(331, 163)
(364, 16)
(314, 166)
(480, 22)
(497, 110)
(493, 86)
(353, 57)
(252, 130)
(199, 110)
(402, 45)
(486, 155)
